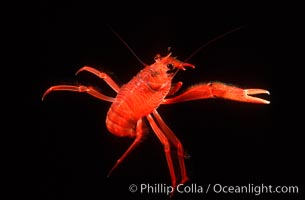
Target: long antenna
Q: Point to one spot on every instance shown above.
(208, 43)
(211, 41)
(129, 48)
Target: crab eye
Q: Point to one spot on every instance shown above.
(170, 66)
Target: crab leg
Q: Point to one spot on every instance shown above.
(80, 88)
(101, 75)
(219, 90)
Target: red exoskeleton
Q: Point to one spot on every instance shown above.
(144, 93)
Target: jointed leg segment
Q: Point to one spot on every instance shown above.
(139, 136)
(219, 90)
(166, 145)
(175, 141)
(80, 88)
(175, 87)
(102, 75)
(86, 89)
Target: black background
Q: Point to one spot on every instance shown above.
(227, 142)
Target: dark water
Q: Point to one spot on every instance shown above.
(228, 143)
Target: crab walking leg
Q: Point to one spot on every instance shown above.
(101, 75)
(166, 145)
(173, 139)
(139, 136)
(80, 88)
(175, 87)
(219, 90)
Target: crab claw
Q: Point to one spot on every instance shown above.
(222, 90)
(182, 65)
(252, 99)
(219, 90)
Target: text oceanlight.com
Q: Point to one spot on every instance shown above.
(255, 189)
